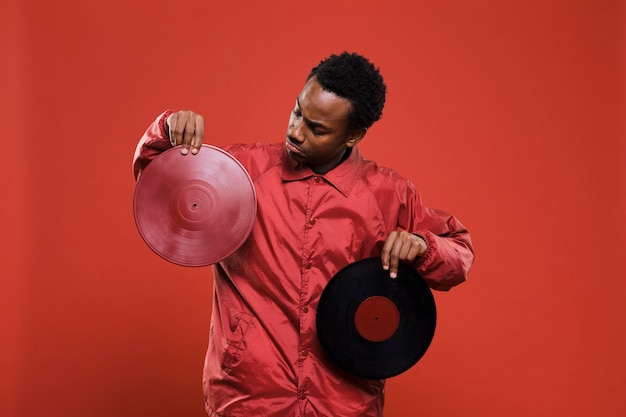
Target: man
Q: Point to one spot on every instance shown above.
(321, 206)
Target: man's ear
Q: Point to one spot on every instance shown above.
(355, 136)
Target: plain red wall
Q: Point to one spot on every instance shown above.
(509, 114)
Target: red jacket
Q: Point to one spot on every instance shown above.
(264, 358)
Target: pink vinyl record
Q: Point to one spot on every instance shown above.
(194, 210)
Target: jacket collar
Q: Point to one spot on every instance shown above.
(342, 177)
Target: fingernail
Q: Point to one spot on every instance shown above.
(393, 275)
(194, 151)
(385, 267)
(184, 151)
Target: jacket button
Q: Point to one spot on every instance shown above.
(308, 265)
(312, 222)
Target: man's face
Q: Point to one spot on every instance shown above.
(318, 134)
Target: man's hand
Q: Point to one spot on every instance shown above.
(186, 129)
(401, 247)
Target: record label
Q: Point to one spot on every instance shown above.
(377, 318)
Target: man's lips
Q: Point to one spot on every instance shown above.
(293, 148)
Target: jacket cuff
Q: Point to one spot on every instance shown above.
(165, 131)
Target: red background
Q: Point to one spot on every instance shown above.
(509, 114)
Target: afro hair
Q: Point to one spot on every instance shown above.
(355, 78)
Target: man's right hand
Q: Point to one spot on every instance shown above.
(186, 128)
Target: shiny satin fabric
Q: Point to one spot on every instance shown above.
(264, 358)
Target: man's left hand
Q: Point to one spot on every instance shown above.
(401, 246)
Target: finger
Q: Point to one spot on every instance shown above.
(386, 250)
(394, 256)
(416, 249)
(178, 126)
(403, 250)
(411, 248)
(198, 137)
(412, 253)
(187, 131)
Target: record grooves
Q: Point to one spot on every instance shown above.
(194, 210)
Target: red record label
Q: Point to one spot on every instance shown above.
(376, 318)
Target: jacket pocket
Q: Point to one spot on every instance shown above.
(236, 344)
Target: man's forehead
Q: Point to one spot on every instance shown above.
(321, 103)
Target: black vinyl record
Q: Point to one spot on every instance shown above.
(374, 326)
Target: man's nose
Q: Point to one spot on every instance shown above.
(295, 131)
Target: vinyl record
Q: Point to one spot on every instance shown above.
(194, 210)
(374, 326)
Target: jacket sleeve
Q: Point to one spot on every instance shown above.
(152, 143)
(449, 255)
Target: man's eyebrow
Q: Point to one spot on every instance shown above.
(308, 121)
